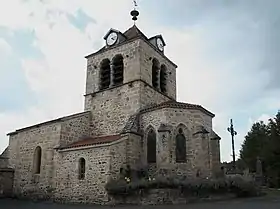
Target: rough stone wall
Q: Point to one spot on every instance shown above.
(129, 51)
(118, 156)
(148, 96)
(70, 188)
(138, 57)
(215, 156)
(102, 163)
(198, 150)
(147, 52)
(6, 182)
(22, 145)
(75, 127)
(4, 162)
(134, 150)
(111, 109)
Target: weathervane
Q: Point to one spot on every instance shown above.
(134, 13)
(232, 133)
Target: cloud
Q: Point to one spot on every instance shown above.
(5, 48)
(224, 52)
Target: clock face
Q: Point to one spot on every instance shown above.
(160, 44)
(112, 38)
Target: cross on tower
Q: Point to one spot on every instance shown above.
(232, 133)
(135, 3)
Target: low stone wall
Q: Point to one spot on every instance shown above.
(166, 196)
(6, 182)
(3, 162)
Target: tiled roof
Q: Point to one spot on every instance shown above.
(130, 34)
(88, 141)
(215, 136)
(175, 104)
(132, 125)
(134, 32)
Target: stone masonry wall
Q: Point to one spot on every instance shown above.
(198, 157)
(149, 96)
(74, 128)
(70, 188)
(102, 163)
(147, 54)
(111, 109)
(215, 156)
(118, 157)
(129, 51)
(4, 162)
(6, 182)
(138, 57)
(22, 146)
(134, 150)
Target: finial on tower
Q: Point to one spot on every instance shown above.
(134, 13)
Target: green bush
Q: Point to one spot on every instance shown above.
(199, 187)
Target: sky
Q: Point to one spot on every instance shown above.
(227, 54)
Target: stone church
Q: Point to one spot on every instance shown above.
(131, 117)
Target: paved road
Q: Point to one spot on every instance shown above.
(258, 203)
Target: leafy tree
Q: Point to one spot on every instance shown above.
(254, 145)
(264, 141)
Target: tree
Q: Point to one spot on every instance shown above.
(273, 151)
(264, 141)
(254, 145)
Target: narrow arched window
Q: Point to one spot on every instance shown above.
(37, 160)
(151, 147)
(180, 147)
(105, 74)
(163, 78)
(155, 73)
(82, 168)
(118, 69)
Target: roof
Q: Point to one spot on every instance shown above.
(134, 32)
(61, 119)
(175, 104)
(88, 141)
(214, 136)
(133, 125)
(131, 34)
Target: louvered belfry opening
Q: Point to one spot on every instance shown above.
(155, 73)
(105, 74)
(163, 78)
(118, 70)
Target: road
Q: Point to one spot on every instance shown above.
(255, 203)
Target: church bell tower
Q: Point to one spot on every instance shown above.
(129, 73)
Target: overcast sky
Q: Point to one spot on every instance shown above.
(227, 54)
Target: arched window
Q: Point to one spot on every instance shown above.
(82, 168)
(163, 78)
(118, 69)
(37, 160)
(180, 147)
(151, 147)
(155, 73)
(105, 74)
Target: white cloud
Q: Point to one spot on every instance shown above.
(5, 48)
(204, 76)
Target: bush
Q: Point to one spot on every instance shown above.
(200, 187)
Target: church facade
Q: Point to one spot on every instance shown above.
(131, 117)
